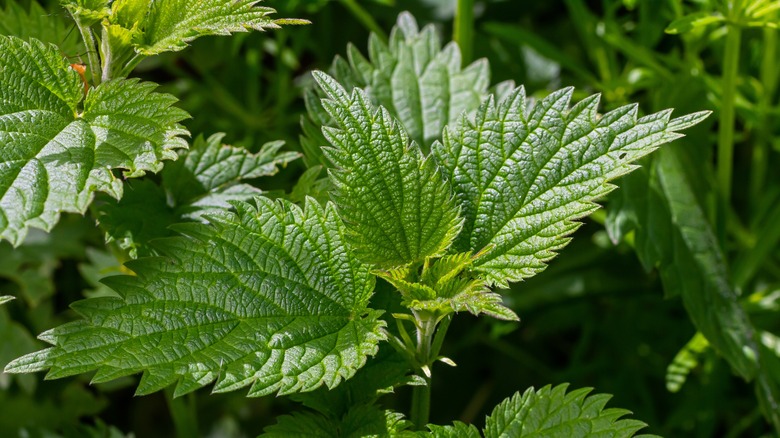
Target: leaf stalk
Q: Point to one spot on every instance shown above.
(422, 353)
(91, 46)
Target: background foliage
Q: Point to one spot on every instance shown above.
(689, 246)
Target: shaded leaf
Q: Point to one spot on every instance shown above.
(16, 342)
(360, 421)
(204, 180)
(662, 202)
(684, 361)
(456, 430)
(381, 374)
(36, 22)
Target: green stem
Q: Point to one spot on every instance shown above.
(106, 56)
(131, 64)
(464, 29)
(760, 159)
(421, 403)
(91, 45)
(441, 332)
(365, 18)
(727, 117)
(426, 351)
(183, 414)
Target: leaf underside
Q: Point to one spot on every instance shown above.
(268, 297)
(393, 200)
(59, 147)
(523, 174)
(156, 27)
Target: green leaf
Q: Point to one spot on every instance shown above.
(702, 273)
(524, 174)
(16, 342)
(59, 147)
(204, 180)
(672, 233)
(37, 416)
(268, 297)
(381, 374)
(170, 25)
(551, 412)
(694, 21)
(36, 22)
(662, 202)
(360, 421)
(684, 361)
(445, 286)
(392, 198)
(208, 177)
(87, 11)
(29, 270)
(456, 430)
(420, 83)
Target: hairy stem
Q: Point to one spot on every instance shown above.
(464, 29)
(726, 122)
(107, 58)
(421, 403)
(91, 45)
(428, 343)
(131, 64)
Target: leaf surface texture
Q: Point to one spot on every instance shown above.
(162, 26)
(420, 83)
(59, 147)
(393, 199)
(205, 179)
(523, 173)
(551, 411)
(268, 297)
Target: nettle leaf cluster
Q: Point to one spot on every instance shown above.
(439, 186)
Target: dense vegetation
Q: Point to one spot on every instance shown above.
(667, 298)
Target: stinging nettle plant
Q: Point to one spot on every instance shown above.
(438, 186)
